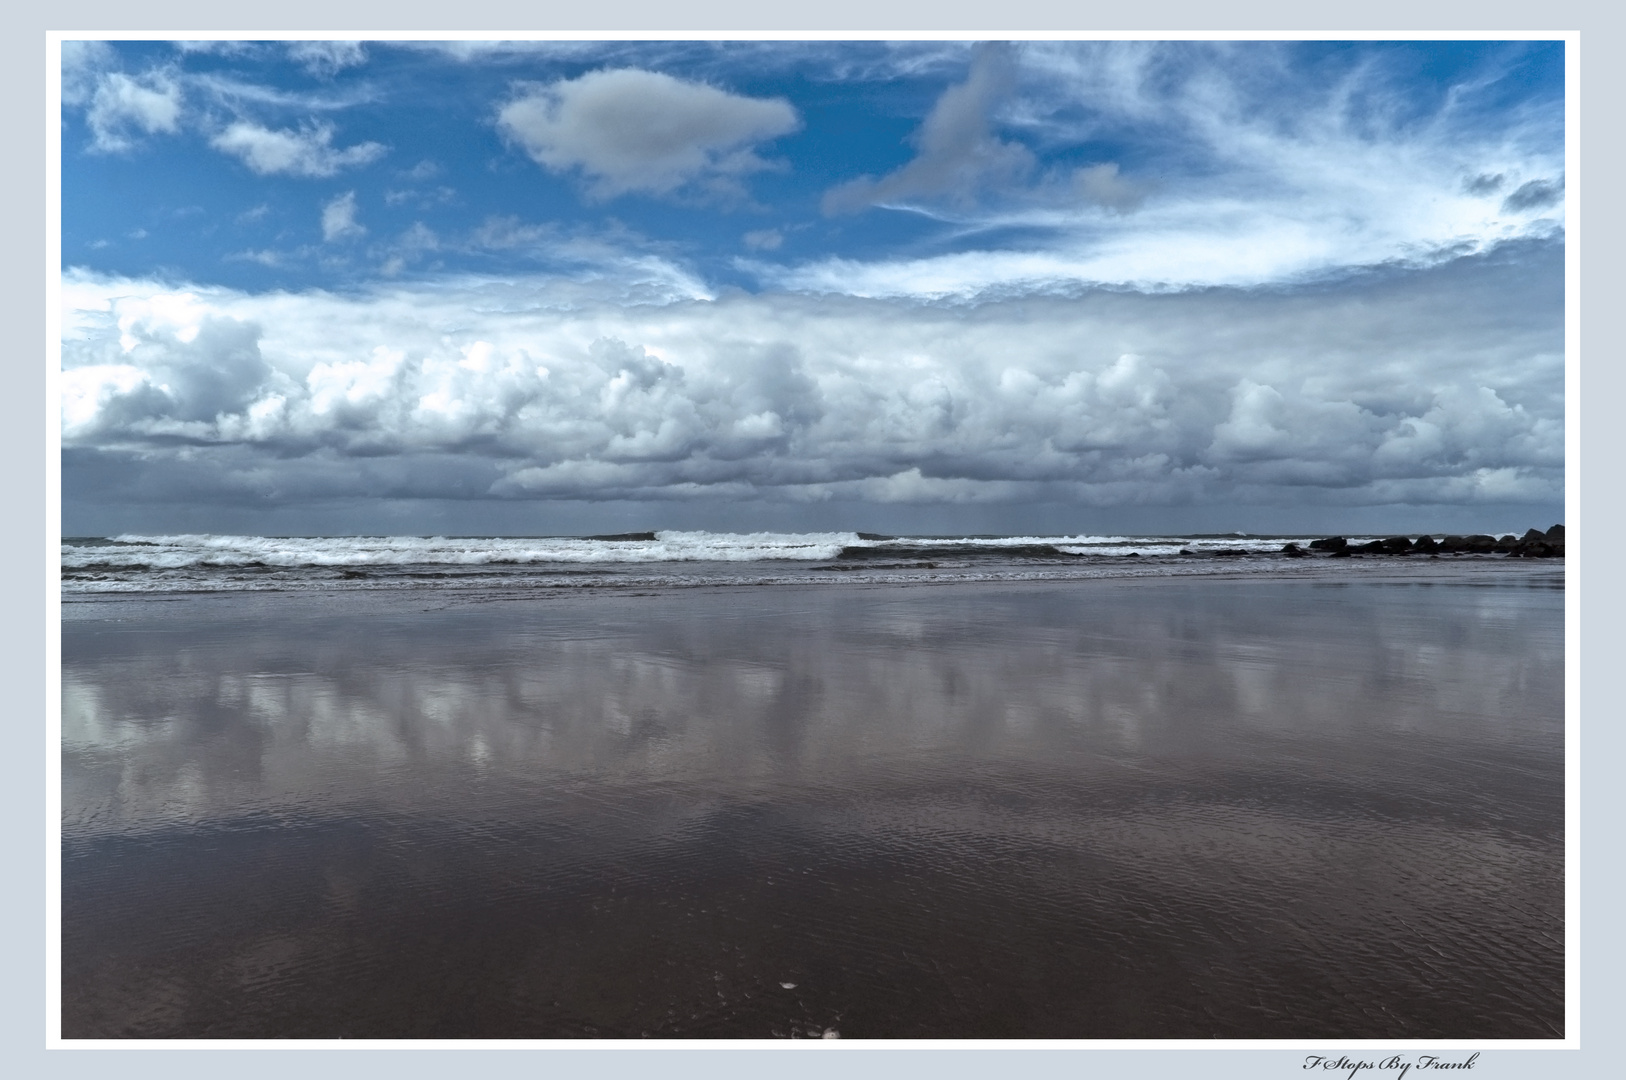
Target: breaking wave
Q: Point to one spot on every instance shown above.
(191, 562)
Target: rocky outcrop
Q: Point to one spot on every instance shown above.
(1540, 545)
(1534, 544)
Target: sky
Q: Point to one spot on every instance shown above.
(554, 287)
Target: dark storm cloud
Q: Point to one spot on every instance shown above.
(1536, 193)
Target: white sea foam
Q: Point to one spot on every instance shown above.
(180, 551)
(176, 552)
(190, 562)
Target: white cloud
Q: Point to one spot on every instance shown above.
(83, 64)
(324, 59)
(305, 152)
(410, 247)
(233, 93)
(124, 105)
(339, 219)
(1225, 182)
(1404, 216)
(1443, 385)
(265, 257)
(629, 130)
(764, 239)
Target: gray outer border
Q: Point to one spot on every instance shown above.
(23, 436)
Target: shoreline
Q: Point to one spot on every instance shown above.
(1458, 570)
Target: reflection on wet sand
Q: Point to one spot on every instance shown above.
(1161, 809)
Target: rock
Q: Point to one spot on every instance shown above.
(1425, 544)
(1397, 545)
(1477, 542)
(1293, 551)
(1531, 536)
(1555, 535)
(1371, 547)
(1331, 543)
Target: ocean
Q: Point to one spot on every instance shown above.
(204, 563)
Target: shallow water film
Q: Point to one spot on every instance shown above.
(1314, 808)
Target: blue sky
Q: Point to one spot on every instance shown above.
(556, 286)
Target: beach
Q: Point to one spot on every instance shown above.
(870, 539)
(1327, 805)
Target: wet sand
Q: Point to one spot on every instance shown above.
(1319, 808)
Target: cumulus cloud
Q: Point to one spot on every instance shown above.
(83, 63)
(339, 219)
(308, 151)
(1436, 386)
(123, 106)
(629, 130)
(957, 153)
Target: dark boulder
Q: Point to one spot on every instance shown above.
(1293, 551)
(1371, 547)
(1331, 543)
(1426, 545)
(1539, 549)
(1555, 535)
(1397, 545)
